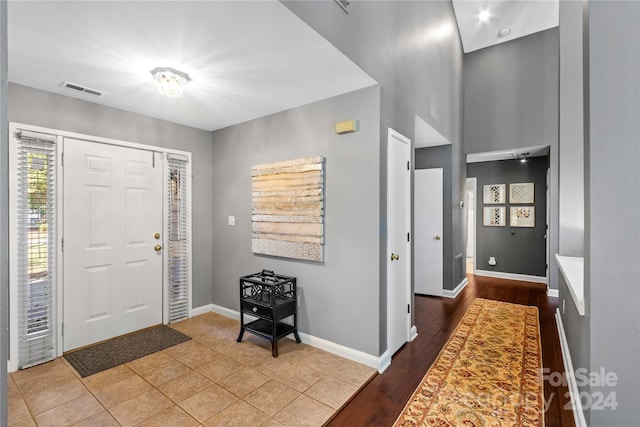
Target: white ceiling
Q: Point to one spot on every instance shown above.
(521, 16)
(246, 59)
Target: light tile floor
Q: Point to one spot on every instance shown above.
(210, 380)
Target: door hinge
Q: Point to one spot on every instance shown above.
(408, 308)
(62, 244)
(408, 237)
(62, 329)
(153, 159)
(62, 159)
(408, 165)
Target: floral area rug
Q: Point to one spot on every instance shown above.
(489, 373)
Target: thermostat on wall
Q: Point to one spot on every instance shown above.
(347, 126)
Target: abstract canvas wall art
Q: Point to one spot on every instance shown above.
(287, 209)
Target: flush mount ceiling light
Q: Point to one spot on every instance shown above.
(484, 16)
(504, 32)
(170, 81)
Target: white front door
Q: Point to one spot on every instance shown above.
(427, 224)
(398, 245)
(112, 269)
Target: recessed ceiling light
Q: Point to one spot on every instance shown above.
(484, 16)
(504, 32)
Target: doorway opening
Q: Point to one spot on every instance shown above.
(470, 205)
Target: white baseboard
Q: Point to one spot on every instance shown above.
(454, 293)
(553, 293)
(574, 393)
(413, 333)
(380, 363)
(226, 312)
(385, 361)
(511, 276)
(201, 310)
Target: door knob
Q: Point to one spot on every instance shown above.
(438, 237)
(156, 236)
(157, 248)
(394, 257)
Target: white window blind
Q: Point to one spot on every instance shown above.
(178, 238)
(36, 248)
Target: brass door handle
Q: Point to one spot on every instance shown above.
(156, 236)
(157, 248)
(394, 257)
(438, 237)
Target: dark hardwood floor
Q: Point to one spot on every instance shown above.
(380, 402)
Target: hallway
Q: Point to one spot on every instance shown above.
(381, 400)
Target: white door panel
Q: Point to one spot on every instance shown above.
(427, 225)
(398, 246)
(112, 274)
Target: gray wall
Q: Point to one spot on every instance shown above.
(36, 107)
(511, 94)
(517, 250)
(511, 101)
(402, 45)
(4, 217)
(612, 226)
(572, 196)
(440, 157)
(571, 179)
(607, 337)
(339, 298)
(577, 331)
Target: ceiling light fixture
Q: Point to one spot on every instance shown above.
(170, 81)
(504, 32)
(484, 16)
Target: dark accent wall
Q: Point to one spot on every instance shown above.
(518, 250)
(440, 157)
(40, 108)
(338, 298)
(511, 93)
(413, 50)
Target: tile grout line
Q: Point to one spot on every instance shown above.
(24, 402)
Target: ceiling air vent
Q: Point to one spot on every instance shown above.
(343, 4)
(82, 89)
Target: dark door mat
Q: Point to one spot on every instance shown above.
(99, 357)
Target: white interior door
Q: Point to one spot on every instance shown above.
(427, 224)
(398, 246)
(112, 267)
